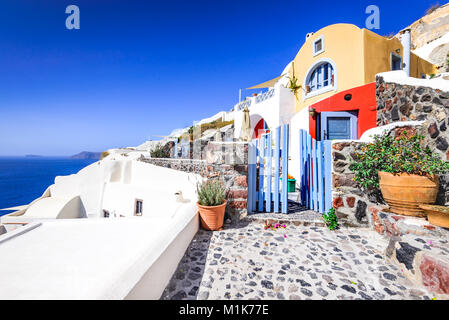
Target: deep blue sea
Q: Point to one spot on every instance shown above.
(24, 179)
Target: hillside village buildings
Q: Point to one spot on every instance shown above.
(335, 98)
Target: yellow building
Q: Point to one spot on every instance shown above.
(342, 56)
(335, 70)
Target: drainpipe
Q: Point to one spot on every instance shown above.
(406, 47)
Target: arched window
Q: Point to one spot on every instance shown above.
(320, 77)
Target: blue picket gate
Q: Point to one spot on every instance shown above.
(316, 173)
(265, 191)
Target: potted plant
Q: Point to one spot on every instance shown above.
(405, 172)
(437, 215)
(291, 183)
(293, 82)
(211, 204)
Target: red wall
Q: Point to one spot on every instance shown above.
(259, 129)
(363, 100)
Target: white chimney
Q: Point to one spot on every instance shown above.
(406, 47)
(309, 35)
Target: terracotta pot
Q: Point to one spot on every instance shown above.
(437, 215)
(212, 217)
(405, 192)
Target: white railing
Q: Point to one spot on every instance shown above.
(246, 103)
(257, 99)
(265, 96)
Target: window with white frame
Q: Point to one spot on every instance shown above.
(396, 62)
(321, 76)
(318, 46)
(138, 207)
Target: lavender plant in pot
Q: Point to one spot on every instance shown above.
(211, 204)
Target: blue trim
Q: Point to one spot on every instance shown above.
(269, 173)
(284, 197)
(340, 114)
(277, 153)
(261, 171)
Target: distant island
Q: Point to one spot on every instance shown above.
(32, 156)
(87, 155)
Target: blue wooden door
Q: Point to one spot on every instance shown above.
(338, 125)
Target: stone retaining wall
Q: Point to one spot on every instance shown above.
(352, 205)
(224, 161)
(423, 260)
(397, 102)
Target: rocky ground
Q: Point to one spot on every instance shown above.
(295, 262)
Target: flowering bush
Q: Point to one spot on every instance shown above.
(404, 154)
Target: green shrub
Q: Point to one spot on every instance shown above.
(216, 124)
(331, 219)
(211, 193)
(160, 151)
(404, 154)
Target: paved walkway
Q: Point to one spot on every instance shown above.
(298, 262)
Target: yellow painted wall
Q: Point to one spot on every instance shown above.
(418, 66)
(378, 57)
(378, 51)
(359, 55)
(343, 44)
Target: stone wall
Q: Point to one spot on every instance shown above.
(351, 203)
(397, 102)
(224, 161)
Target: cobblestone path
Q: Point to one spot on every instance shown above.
(298, 262)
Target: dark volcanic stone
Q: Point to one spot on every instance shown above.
(348, 288)
(426, 98)
(389, 276)
(193, 291)
(267, 284)
(406, 254)
(405, 109)
(395, 114)
(365, 296)
(360, 210)
(433, 130)
(391, 293)
(304, 283)
(306, 292)
(427, 108)
(339, 156)
(179, 295)
(331, 286)
(441, 144)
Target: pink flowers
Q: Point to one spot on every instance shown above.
(274, 226)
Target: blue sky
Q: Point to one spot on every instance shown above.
(141, 68)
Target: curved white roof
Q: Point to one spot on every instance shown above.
(85, 258)
(47, 207)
